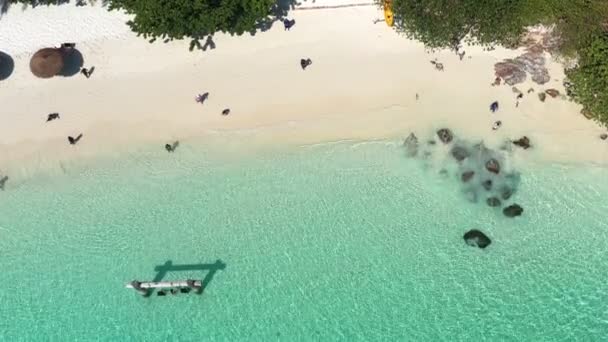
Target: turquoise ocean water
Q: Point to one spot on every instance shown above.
(347, 241)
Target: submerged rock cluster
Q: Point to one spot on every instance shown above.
(483, 174)
(479, 170)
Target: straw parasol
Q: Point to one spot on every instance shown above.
(47, 62)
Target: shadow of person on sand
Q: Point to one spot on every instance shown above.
(7, 65)
(72, 63)
(209, 44)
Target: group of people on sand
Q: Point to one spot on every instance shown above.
(203, 97)
(494, 105)
(288, 24)
(71, 140)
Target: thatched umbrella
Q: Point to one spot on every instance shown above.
(47, 62)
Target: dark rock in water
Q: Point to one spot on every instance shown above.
(513, 210)
(411, 145)
(445, 135)
(487, 184)
(443, 172)
(460, 153)
(604, 136)
(493, 166)
(523, 142)
(506, 193)
(476, 238)
(431, 142)
(467, 175)
(493, 202)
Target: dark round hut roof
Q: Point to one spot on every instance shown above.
(46, 63)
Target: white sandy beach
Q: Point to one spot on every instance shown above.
(361, 85)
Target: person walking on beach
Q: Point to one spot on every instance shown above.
(52, 116)
(172, 147)
(87, 72)
(288, 24)
(74, 141)
(304, 63)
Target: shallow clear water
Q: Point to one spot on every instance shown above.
(336, 242)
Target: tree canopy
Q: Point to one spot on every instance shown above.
(444, 23)
(590, 78)
(195, 19)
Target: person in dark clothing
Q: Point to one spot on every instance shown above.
(304, 63)
(74, 141)
(172, 147)
(494, 106)
(288, 23)
(52, 116)
(87, 72)
(201, 98)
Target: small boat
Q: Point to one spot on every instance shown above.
(388, 13)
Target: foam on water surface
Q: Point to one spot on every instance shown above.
(346, 241)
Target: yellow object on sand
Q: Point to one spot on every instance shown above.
(388, 13)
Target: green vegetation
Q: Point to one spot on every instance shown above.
(444, 23)
(581, 25)
(590, 78)
(190, 19)
(195, 19)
